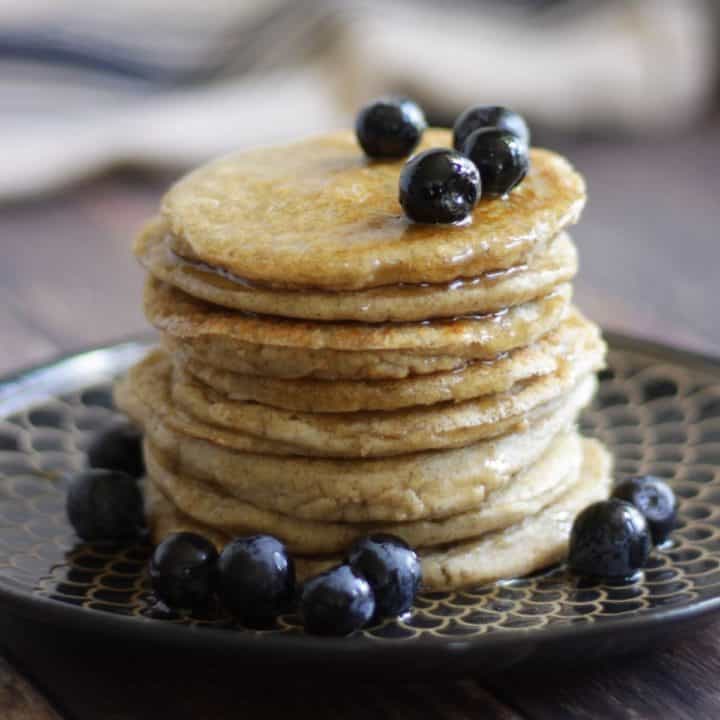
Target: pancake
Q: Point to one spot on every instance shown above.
(144, 394)
(383, 434)
(574, 336)
(292, 363)
(291, 348)
(432, 484)
(317, 213)
(468, 336)
(549, 266)
(526, 494)
(528, 546)
(148, 396)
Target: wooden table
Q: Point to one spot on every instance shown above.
(650, 251)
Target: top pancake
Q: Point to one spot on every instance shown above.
(318, 214)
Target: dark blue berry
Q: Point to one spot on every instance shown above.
(609, 539)
(391, 567)
(439, 186)
(485, 116)
(501, 159)
(183, 570)
(337, 602)
(257, 578)
(390, 127)
(655, 500)
(118, 448)
(104, 505)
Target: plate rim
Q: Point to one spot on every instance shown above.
(286, 646)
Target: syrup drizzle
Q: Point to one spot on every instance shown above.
(173, 258)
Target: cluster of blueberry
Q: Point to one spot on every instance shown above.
(253, 577)
(613, 538)
(105, 502)
(441, 185)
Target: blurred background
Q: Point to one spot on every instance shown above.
(102, 105)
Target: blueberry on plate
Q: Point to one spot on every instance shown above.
(655, 499)
(104, 505)
(390, 127)
(183, 570)
(485, 116)
(609, 539)
(391, 568)
(439, 186)
(501, 159)
(337, 602)
(256, 578)
(118, 448)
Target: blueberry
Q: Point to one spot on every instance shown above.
(501, 159)
(439, 186)
(104, 505)
(391, 568)
(337, 602)
(655, 500)
(609, 539)
(118, 448)
(485, 116)
(390, 127)
(257, 578)
(183, 570)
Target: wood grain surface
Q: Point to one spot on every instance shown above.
(649, 251)
(19, 700)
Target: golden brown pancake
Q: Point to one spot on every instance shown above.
(145, 395)
(278, 347)
(574, 337)
(383, 434)
(317, 213)
(432, 484)
(149, 396)
(526, 494)
(552, 264)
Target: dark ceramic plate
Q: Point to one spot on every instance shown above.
(657, 409)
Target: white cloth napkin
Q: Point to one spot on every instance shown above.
(282, 70)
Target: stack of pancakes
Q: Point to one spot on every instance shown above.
(330, 369)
